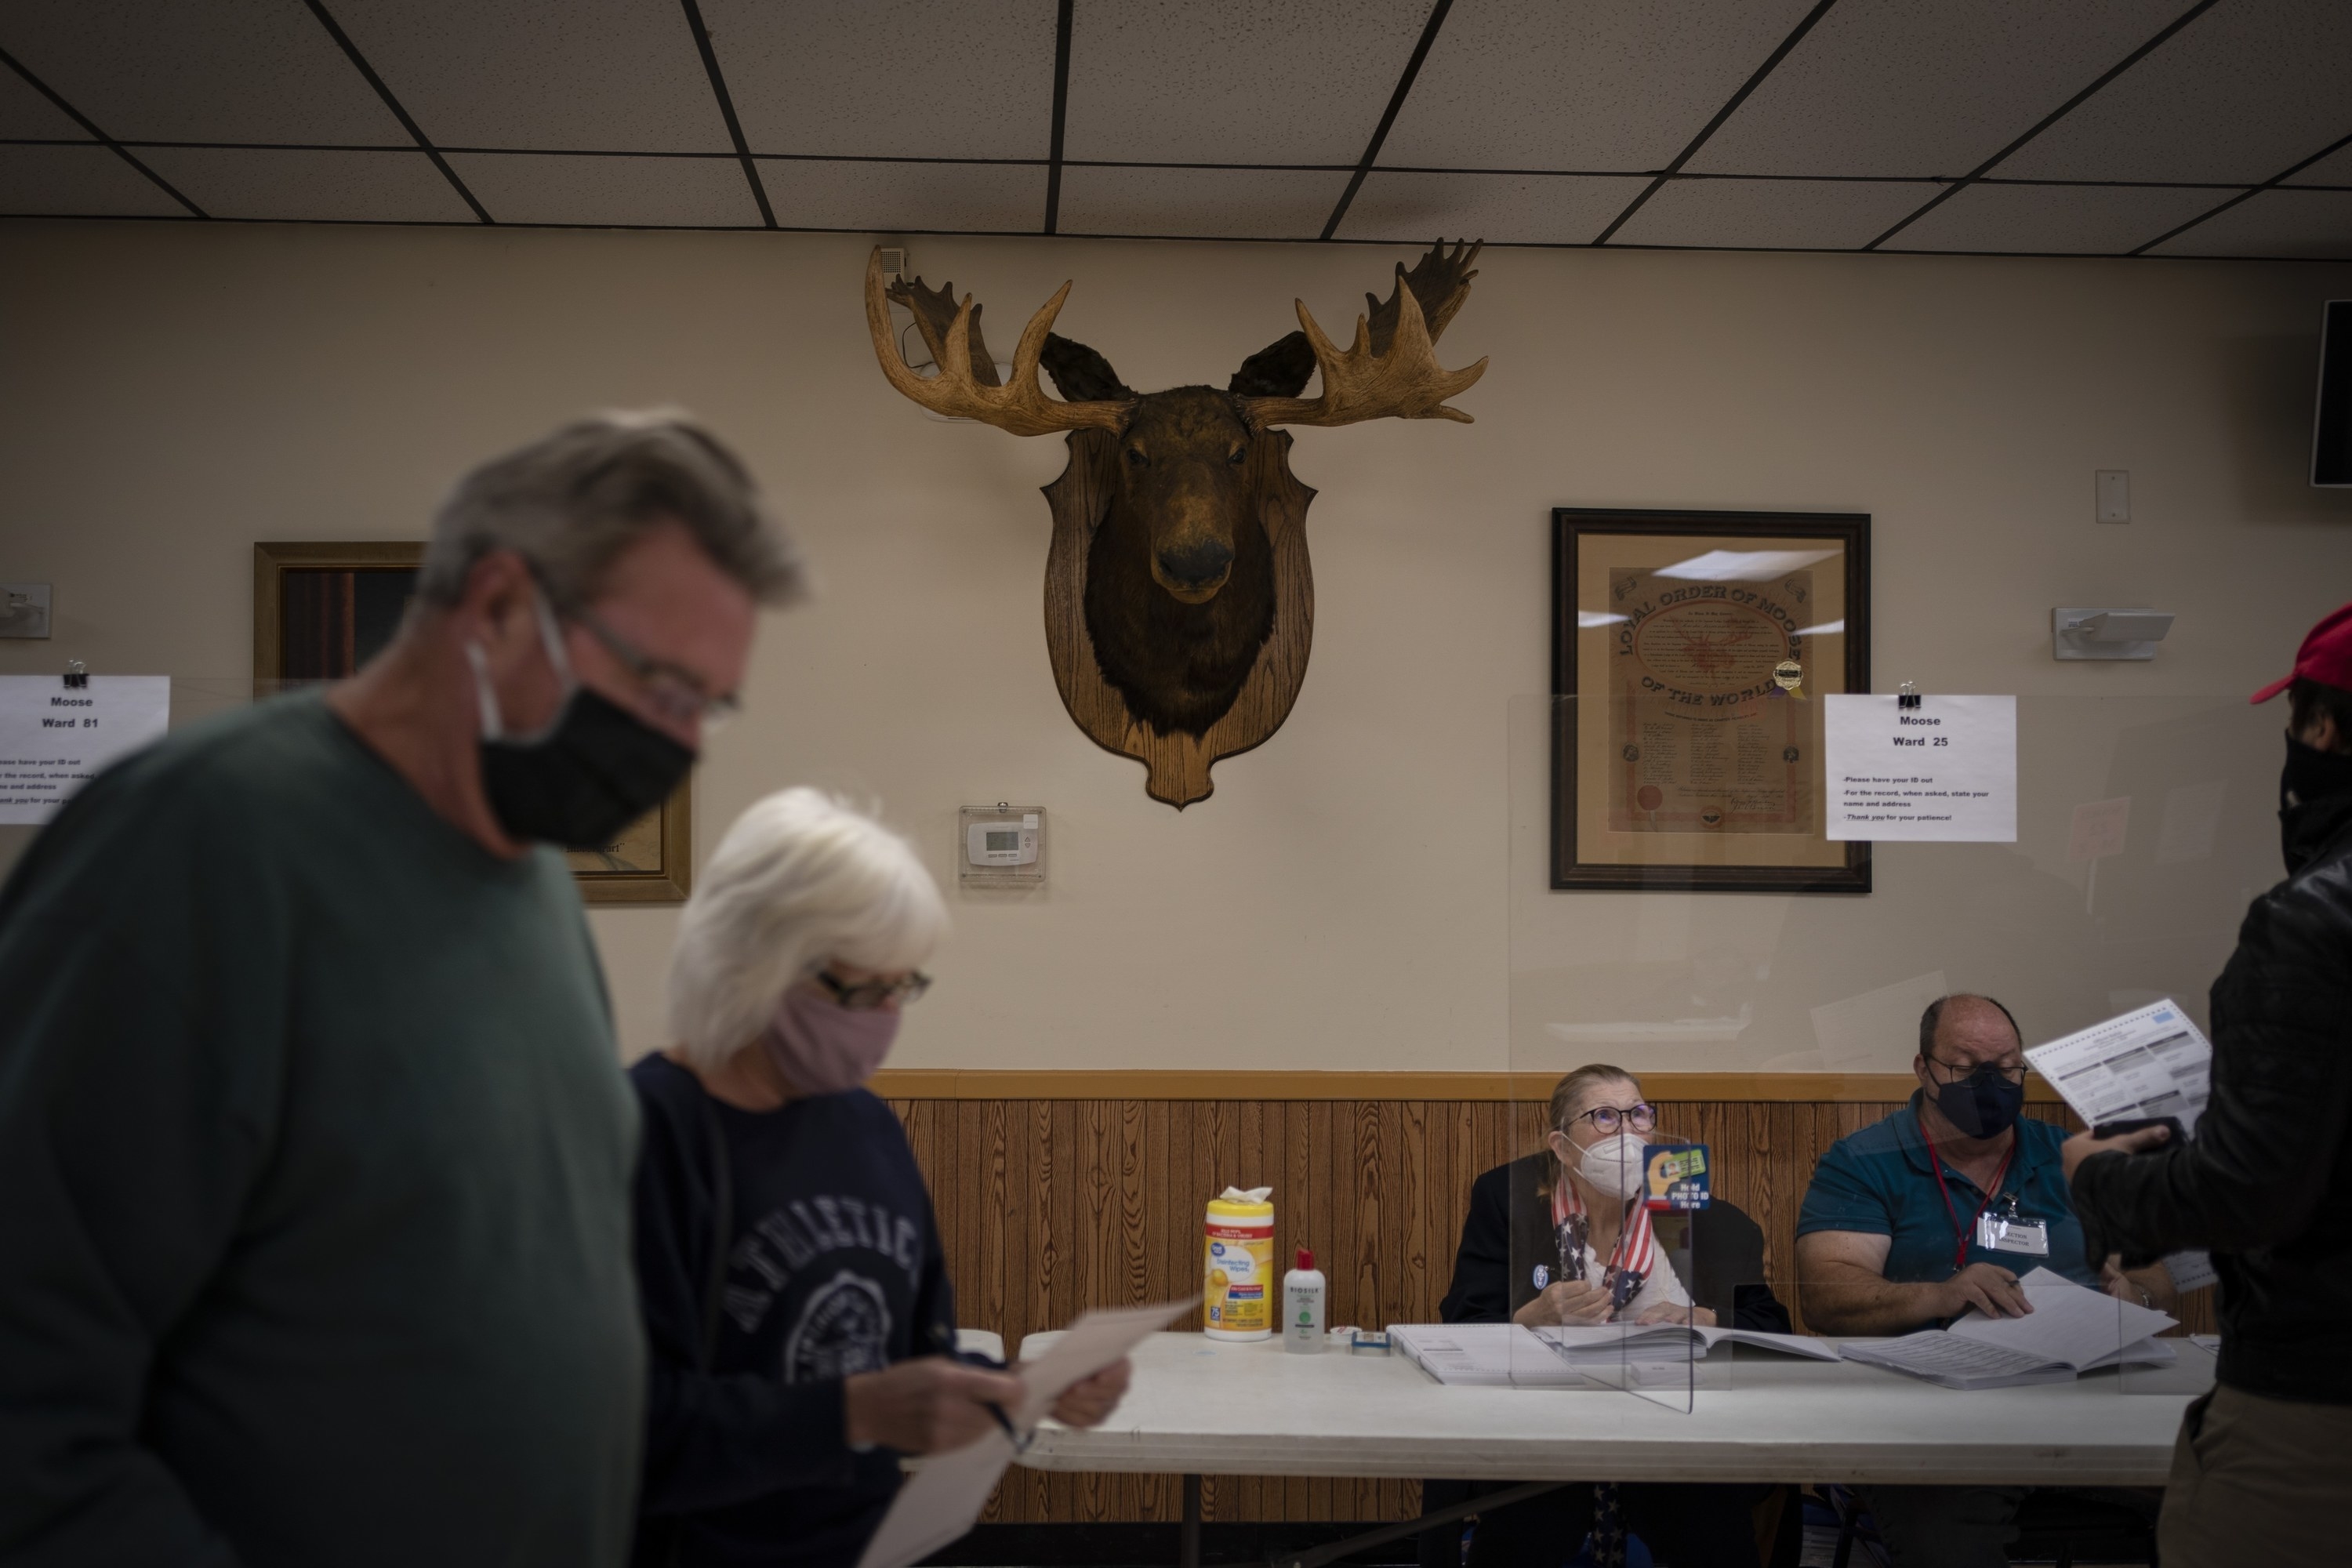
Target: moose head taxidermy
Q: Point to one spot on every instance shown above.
(1179, 605)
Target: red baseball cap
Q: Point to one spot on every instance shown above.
(2325, 657)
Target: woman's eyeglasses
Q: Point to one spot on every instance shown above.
(866, 995)
(1641, 1118)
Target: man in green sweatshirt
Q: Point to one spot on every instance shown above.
(314, 1153)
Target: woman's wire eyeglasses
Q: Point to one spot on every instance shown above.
(1642, 1118)
(866, 995)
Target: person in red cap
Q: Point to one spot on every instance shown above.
(2262, 1471)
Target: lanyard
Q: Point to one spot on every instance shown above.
(1960, 1234)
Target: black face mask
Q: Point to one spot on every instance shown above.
(594, 770)
(1983, 1105)
(2311, 775)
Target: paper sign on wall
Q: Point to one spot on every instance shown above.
(54, 737)
(1944, 771)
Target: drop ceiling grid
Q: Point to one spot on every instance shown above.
(1504, 209)
(555, 75)
(1579, 86)
(1771, 214)
(595, 190)
(2247, 89)
(1893, 89)
(2335, 169)
(889, 79)
(2099, 220)
(1209, 204)
(962, 198)
(2277, 222)
(88, 181)
(304, 185)
(224, 71)
(1205, 82)
(26, 116)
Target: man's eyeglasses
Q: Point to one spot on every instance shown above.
(1609, 1119)
(674, 693)
(1962, 1071)
(868, 995)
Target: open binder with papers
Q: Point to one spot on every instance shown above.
(1506, 1356)
(2070, 1332)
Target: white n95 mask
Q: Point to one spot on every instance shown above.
(1613, 1165)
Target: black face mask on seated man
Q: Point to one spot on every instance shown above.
(589, 773)
(1984, 1104)
(2310, 776)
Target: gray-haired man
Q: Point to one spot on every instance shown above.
(316, 1159)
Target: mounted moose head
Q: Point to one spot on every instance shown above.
(1179, 602)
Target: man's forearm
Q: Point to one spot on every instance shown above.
(1855, 1303)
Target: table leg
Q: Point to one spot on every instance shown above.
(1321, 1555)
(1188, 1534)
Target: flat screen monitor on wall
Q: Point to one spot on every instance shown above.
(2331, 433)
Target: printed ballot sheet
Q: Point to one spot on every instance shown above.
(2150, 1062)
(54, 737)
(942, 1500)
(1944, 771)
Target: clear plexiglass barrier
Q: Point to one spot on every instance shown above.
(1667, 942)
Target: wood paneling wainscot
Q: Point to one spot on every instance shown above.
(1057, 1192)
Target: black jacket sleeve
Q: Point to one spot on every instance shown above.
(2266, 1150)
(1481, 1291)
(711, 1440)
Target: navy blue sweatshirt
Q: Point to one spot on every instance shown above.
(834, 1269)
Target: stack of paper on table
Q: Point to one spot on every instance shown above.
(1495, 1355)
(2071, 1331)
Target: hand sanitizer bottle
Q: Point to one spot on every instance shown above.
(1302, 1306)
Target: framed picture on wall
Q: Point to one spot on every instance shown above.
(1698, 647)
(320, 611)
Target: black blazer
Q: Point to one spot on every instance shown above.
(1722, 1266)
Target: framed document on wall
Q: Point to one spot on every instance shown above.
(1698, 647)
(320, 611)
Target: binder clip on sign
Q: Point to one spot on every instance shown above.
(1675, 1176)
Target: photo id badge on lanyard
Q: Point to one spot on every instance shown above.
(2006, 1232)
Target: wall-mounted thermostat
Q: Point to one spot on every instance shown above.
(1002, 845)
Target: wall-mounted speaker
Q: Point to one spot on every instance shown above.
(2331, 427)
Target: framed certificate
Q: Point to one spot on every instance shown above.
(1698, 646)
(322, 610)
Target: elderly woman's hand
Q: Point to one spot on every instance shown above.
(1090, 1402)
(1570, 1303)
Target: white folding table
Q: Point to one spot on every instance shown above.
(1198, 1407)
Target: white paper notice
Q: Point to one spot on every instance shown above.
(54, 737)
(1945, 772)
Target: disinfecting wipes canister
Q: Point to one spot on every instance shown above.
(1238, 1264)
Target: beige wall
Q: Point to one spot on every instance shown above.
(170, 395)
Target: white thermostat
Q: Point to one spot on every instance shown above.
(1003, 845)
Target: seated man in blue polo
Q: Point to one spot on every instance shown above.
(1938, 1209)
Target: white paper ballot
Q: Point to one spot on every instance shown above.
(2152, 1061)
(1945, 772)
(54, 737)
(943, 1500)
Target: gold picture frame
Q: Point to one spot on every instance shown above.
(322, 608)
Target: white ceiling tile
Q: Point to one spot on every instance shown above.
(2280, 222)
(1894, 88)
(989, 198)
(609, 192)
(224, 71)
(2100, 220)
(78, 182)
(2245, 90)
(1208, 82)
(1209, 204)
(1586, 85)
(1771, 214)
(297, 185)
(1506, 209)
(585, 75)
(25, 115)
(889, 79)
(2335, 169)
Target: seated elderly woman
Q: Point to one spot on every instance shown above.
(1561, 1236)
(802, 1324)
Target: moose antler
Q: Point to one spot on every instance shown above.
(1399, 378)
(1021, 408)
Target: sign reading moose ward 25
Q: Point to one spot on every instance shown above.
(1178, 604)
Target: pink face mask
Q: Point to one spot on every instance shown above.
(824, 1047)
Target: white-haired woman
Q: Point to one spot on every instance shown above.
(800, 1319)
